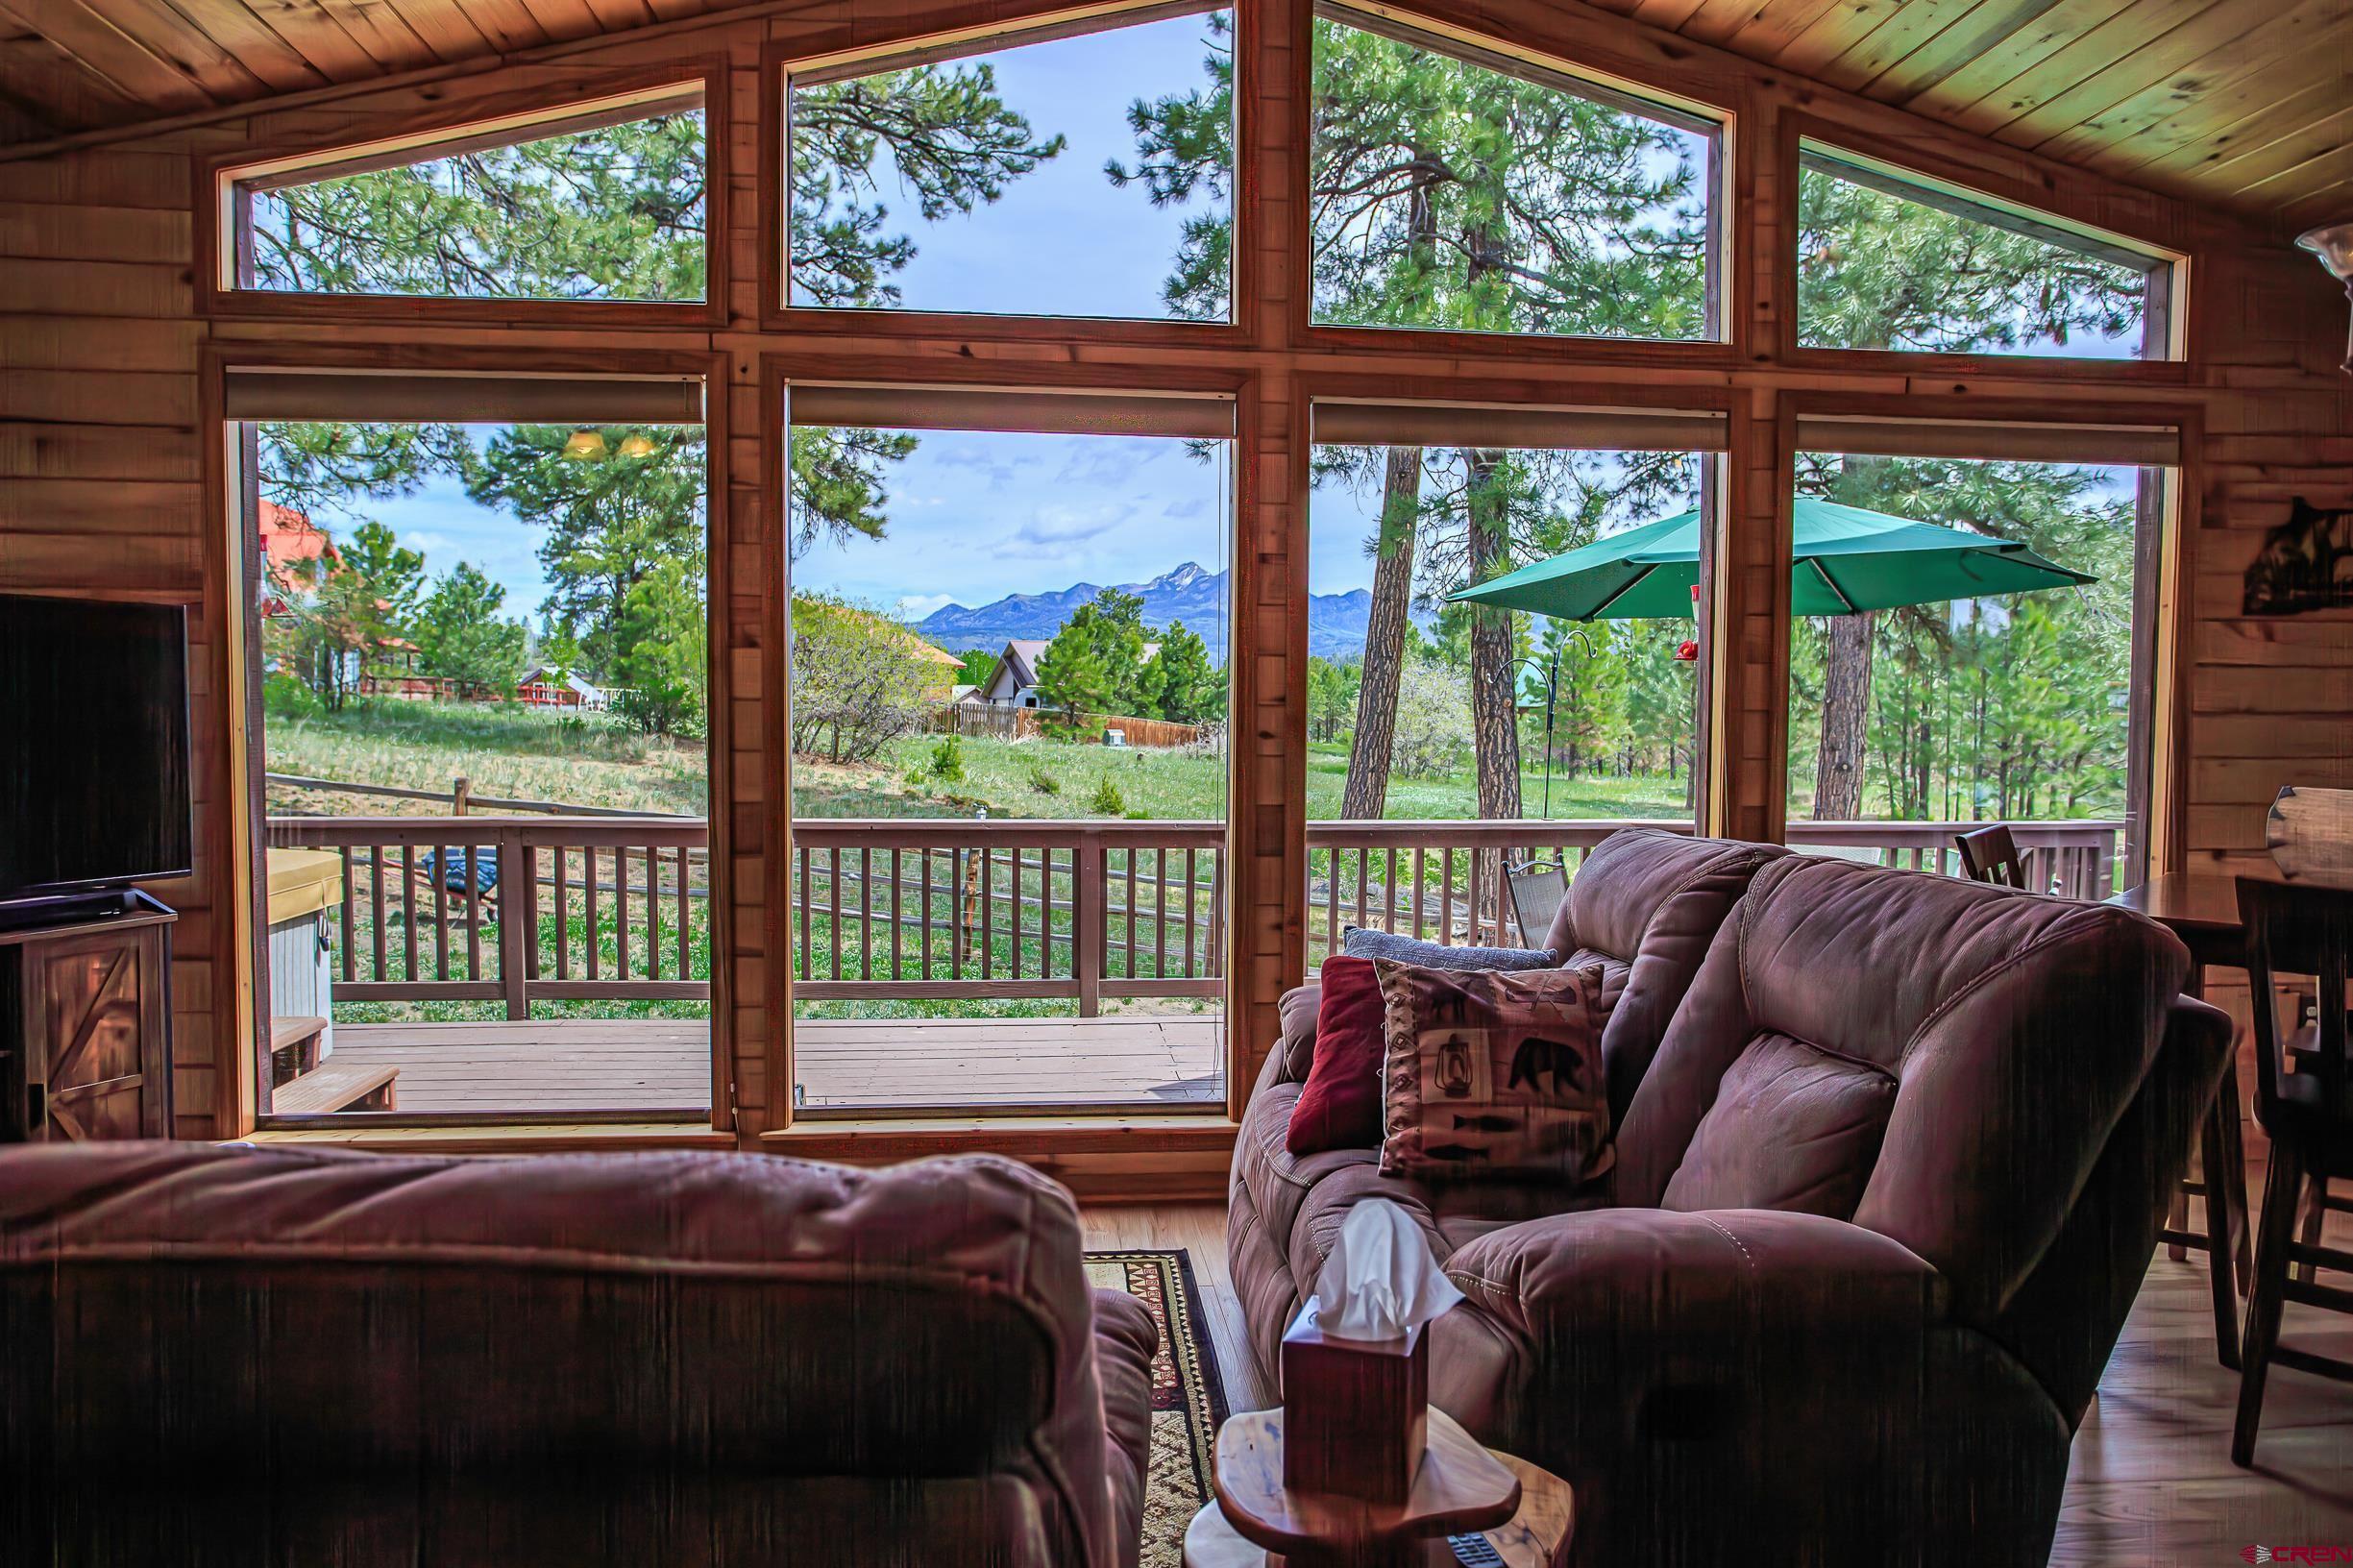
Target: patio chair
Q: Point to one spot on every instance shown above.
(1537, 889)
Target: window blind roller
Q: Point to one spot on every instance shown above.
(1353, 424)
(407, 397)
(1993, 440)
(1208, 418)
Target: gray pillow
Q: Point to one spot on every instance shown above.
(1362, 942)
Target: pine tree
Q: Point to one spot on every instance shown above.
(462, 638)
(1446, 194)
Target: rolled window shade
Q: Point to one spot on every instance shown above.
(1991, 440)
(407, 397)
(1209, 418)
(1481, 425)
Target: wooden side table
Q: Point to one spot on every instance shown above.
(1522, 1516)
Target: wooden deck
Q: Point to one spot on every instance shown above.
(665, 1065)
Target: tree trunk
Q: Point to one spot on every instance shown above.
(1495, 721)
(1846, 715)
(1365, 795)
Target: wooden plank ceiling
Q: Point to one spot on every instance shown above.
(2244, 105)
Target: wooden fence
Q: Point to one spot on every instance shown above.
(988, 721)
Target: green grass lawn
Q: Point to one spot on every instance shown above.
(1060, 778)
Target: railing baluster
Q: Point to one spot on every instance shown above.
(1160, 912)
(1191, 875)
(989, 912)
(592, 935)
(1089, 929)
(343, 913)
(376, 899)
(653, 914)
(518, 923)
(1135, 940)
(474, 913)
(686, 916)
(896, 873)
(563, 912)
(1446, 901)
(1419, 868)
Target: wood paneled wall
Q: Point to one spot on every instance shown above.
(106, 349)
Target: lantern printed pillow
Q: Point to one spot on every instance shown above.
(1492, 1073)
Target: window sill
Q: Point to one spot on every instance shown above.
(512, 1137)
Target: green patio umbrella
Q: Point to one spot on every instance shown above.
(1848, 559)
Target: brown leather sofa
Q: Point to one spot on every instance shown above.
(281, 1357)
(1645, 905)
(1880, 1206)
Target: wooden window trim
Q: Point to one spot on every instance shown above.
(1573, 71)
(1931, 176)
(838, 58)
(1118, 386)
(633, 93)
(2013, 426)
(241, 722)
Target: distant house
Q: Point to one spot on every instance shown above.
(1014, 682)
(296, 553)
(546, 686)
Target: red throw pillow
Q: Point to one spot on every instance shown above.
(1340, 1106)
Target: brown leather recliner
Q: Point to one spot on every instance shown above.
(1878, 1212)
(284, 1357)
(1645, 905)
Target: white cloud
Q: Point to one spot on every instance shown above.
(916, 606)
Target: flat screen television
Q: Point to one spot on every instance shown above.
(93, 746)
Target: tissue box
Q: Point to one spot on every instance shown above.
(1355, 1411)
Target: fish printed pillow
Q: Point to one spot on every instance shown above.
(1492, 1073)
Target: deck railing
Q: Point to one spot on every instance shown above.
(612, 909)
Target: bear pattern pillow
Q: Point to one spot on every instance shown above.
(1492, 1073)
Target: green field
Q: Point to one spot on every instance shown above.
(525, 753)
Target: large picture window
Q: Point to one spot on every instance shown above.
(1971, 644)
(483, 709)
(1890, 262)
(606, 203)
(1009, 682)
(1480, 193)
(1082, 174)
(1503, 663)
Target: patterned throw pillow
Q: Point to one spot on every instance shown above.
(1363, 942)
(1490, 1074)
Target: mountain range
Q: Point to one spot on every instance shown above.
(1191, 593)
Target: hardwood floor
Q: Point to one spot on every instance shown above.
(2151, 1482)
(664, 1063)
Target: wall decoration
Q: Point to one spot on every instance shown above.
(2305, 564)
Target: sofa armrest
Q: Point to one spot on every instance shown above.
(1590, 1321)
(1298, 1050)
(1125, 1340)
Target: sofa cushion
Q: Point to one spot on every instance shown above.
(1962, 994)
(1364, 943)
(1339, 1106)
(1650, 901)
(1277, 1179)
(1492, 1073)
(1792, 1128)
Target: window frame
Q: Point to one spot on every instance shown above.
(779, 372)
(603, 98)
(2164, 605)
(227, 571)
(1548, 64)
(1925, 178)
(831, 56)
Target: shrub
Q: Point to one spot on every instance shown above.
(1108, 801)
(283, 697)
(858, 683)
(946, 763)
(1434, 719)
(1044, 782)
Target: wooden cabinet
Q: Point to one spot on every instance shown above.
(86, 1028)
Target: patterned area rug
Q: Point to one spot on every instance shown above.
(1189, 1396)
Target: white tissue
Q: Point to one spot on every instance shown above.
(1380, 1280)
